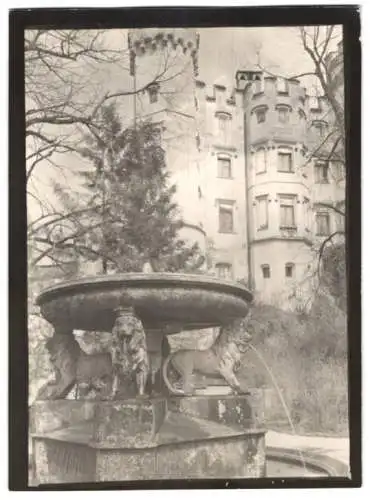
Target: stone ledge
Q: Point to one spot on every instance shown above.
(234, 456)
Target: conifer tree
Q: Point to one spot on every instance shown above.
(136, 219)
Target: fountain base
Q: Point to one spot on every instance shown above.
(157, 438)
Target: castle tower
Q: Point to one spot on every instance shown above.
(164, 64)
(277, 184)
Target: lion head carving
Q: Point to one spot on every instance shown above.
(234, 333)
(62, 347)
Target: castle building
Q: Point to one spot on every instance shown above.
(250, 162)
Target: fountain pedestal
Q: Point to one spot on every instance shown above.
(120, 438)
(156, 438)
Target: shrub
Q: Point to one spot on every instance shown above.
(307, 356)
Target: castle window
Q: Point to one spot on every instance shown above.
(257, 85)
(338, 169)
(266, 271)
(321, 172)
(260, 112)
(225, 216)
(341, 218)
(306, 203)
(262, 212)
(282, 86)
(287, 209)
(153, 92)
(341, 170)
(224, 270)
(289, 270)
(224, 167)
(285, 161)
(314, 103)
(321, 127)
(261, 115)
(157, 136)
(224, 126)
(322, 223)
(283, 113)
(260, 161)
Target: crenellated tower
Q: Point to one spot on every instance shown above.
(164, 66)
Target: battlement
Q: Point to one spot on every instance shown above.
(151, 39)
(269, 86)
(223, 95)
(317, 105)
(255, 88)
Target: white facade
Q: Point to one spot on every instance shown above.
(239, 157)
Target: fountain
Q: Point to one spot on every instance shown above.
(116, 429)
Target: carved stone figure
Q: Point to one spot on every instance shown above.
(129, 350)
(73, 366)
(221, 359)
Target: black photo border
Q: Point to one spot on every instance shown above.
(202, 17)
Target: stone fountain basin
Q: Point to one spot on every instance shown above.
(168, 301)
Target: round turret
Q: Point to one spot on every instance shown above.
(278, 183)
(277, 110)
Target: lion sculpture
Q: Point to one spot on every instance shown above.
(98, 373)
(129, 349)
(74, 367)
(221, 359)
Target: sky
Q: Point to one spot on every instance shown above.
(223, 51)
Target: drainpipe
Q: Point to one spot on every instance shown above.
(248, 222)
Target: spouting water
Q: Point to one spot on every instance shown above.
(281, 397)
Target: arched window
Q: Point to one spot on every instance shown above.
(289, 270)
(266, 271)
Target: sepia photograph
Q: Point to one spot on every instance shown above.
(187, 253)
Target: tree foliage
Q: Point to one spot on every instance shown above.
(131, 217)
(66, 90)
(334, 271)
(322, 46)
